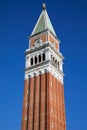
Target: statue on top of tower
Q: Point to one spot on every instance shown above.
(44, 6)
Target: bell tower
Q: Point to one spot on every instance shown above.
(43, 104)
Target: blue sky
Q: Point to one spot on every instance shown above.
(17, 20)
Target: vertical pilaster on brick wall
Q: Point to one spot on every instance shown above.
(63, 108)
(31, 101)
(54, 95)
(61, 123)
(24, 114)
(48, 115)
(59, 107)
(36, 103)
(27, 103)
(42, 103)
(46, 101)
(62, 105)
(51, 103)
(57, 104)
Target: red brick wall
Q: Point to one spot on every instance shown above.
(42, 36)
(45, 37)
(46, 108)
(53, 40)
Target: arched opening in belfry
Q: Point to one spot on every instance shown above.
(39, 58)
(31, 61)
(43, 56)
(35, 59)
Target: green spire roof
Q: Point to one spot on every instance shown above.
(43, 23)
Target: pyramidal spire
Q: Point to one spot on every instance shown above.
(43, 23)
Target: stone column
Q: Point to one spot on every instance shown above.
(41, 57)
(33, 60)
(37, 59)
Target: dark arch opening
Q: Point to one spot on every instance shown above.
(35, 60)
(43, 56)
(39, 58)
(31, 61)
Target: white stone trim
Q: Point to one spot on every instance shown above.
(49, 46)
(36, 54)
(43, 69)
(32, 48)
(55, 55)
(48, 52)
